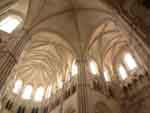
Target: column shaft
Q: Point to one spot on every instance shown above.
(9, 57)
(82, 92)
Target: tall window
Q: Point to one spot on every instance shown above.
(18, 86)
(130, 62)
(27, 92)
(60, 83)
(93, 67)
(106, 75)
(69, 77)
(10, 23)
(122, 72)
(74, 69)
(39, 94)
(48, 92)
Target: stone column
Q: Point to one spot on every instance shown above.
(9, 56)
(6, 64)
(82, 87)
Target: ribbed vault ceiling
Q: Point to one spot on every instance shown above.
(44, 60)
(62, 29)
(75, 20)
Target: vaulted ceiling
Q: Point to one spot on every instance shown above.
(60, 30)
(44, 60)
(74, 20)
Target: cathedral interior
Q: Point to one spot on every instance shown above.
(74, 56)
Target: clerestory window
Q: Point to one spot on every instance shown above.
(10, 23)
(93, 67)
(74, 70)
(130, 61)
(39, 94)
(18, 86)
(122, 72)
(27, 92)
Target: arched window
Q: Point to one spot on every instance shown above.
(18, 86)
(129, 61)
(39, 94)
(122, 72)
(74, 69)
(48, 92)
(93, 67)
(10, 23)
(60, 83)
(69, 77)
(106, 75)
(27, 92)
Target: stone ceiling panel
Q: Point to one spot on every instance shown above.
(5, 3)
(40, 10)
(68, 18)
(63, 25)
